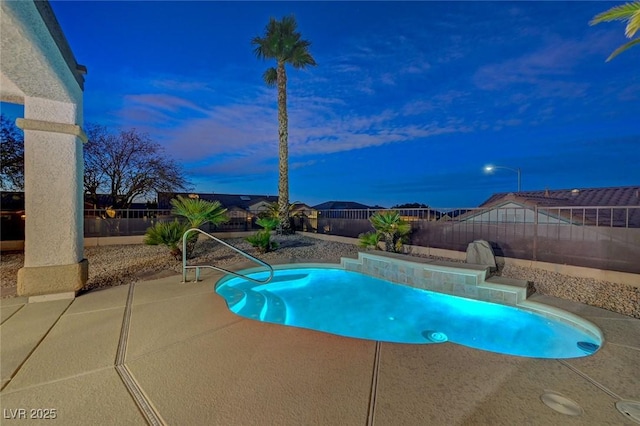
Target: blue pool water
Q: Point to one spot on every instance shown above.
(355, 305)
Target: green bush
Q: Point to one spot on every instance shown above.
(261, 240)
(392, 229)
(168, 234)
(198, 212)
(370, 240)
(194, 213)
(268, 223)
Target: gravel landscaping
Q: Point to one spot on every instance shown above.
(122, 264)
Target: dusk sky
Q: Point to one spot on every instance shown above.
(407, 104)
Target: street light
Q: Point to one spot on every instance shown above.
(492, 168)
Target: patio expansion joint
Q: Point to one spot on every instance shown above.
(61, 379)
(94, 310)
(17, 310)
(147, 409)
(620, 345)
(374, 385)
(35, 347)
(590, 380)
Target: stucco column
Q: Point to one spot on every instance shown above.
(54, 208)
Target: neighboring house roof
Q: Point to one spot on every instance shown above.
(620, 196)
(340, 205)
(301, 207)
(561, 203)
(226, 200)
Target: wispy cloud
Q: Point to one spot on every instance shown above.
(315, 128)
(161, 101)
(550, 70)
(173, 84)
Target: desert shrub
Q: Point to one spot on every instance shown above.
(194, 213)
(392, 229)
(261, 240)
(168, 234)
(370, 240)
(268, 223)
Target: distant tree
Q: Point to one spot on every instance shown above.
(283, 43)
(127, 165)
(629, 12)
(11, 155)
(411, 206)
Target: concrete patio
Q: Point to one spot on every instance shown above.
(162, 352)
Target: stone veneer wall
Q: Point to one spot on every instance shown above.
(469, 281)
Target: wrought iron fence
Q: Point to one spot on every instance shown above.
(110, 223)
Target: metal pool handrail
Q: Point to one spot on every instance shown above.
(197, 267)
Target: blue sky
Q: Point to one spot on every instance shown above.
(407, 104)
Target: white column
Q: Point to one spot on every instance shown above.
(54, 206)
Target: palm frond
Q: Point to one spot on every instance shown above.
(633, 25)
(261, 240)
(168, 234)
(268, 223)
(618, 13)
(370, 240)
(270, 77)
(629, 12)
(282, 42)
(622, 48)
(198, 212)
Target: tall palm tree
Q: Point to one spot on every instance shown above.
(283, 43)
(629, 12)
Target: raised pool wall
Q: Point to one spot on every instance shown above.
(464, 280)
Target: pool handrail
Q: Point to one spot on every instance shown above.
(217, 268)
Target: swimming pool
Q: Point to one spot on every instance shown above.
(351, 304)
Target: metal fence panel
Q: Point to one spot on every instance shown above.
(597, 237)
(600, 237)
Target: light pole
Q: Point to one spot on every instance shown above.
(492, 168)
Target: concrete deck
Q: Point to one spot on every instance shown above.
(162, 352)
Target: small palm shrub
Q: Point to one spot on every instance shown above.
(261, 240)
(392, 229)
(193, 213)
(370, 240)
(168, 234)
(272, 211)
(198, 212)
(268, 223)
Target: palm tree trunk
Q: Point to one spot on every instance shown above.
(388, 242)
(283, 150)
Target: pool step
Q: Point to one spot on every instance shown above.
(253, 306)
(263, 306)
(275, 309)
(289, 281)
(233, 296)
